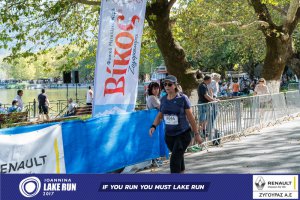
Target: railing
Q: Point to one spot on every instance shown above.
(293, 86)
(236, 116)
(57, 108)
(227, 116)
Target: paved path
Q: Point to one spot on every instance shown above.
(271, 150)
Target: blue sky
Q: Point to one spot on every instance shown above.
(3, 52)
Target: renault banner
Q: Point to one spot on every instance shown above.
(117, 64)
(39, 151)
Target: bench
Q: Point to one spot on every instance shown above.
(13, 118)
(83, 110)
(140, 107)
(87, 110)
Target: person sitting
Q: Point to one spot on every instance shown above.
(71, 107)
(14, 107)
(2, 109)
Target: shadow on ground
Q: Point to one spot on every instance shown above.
(271, 150)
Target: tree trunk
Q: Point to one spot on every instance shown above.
(279, 50)
(174, 56)
(278, 40)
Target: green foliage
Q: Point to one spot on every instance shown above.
(213, 35)
(296, 40)
(42, 36)
(47, 37)
(84, 117)
(48, 66)
(30, 26)
(150, 56)
(275, 2)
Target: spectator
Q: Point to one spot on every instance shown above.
(14, 107)
(199, 74)
(229, 89)
(89, 96)
(235, 88)
(214, 90)
(43, 105)
(71, 107)
(162, 89)
(153, 102)
(153, 93)
(214, 85)
(176, 111)
(18, 98)
(224, 89)
(204, 98)
(261, 88)
(2, 109)
(253, 84)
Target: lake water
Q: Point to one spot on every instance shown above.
(8, 95)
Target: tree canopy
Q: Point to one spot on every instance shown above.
(211, 35)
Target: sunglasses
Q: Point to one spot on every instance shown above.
(168, 84)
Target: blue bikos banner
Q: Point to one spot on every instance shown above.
(98, 145)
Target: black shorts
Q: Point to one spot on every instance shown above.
(43, 109)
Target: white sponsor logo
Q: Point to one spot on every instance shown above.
(35, 152)
(29, 187)
(260, 183)
(275, 186)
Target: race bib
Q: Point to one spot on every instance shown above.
(171, 119)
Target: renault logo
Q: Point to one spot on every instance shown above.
(260, 183)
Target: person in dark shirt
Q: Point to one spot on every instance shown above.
(43, 106)
(203, 99)
(175, 110)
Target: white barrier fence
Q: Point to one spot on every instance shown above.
(237, 116)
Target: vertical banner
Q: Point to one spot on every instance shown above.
(118, 53)
(39, 151)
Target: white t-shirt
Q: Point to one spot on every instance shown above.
(71, 107)
(89, 96)
(153, 102)
(214, 86)
(224, 88)
(261, 89)
(20, 101)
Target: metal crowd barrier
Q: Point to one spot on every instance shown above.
(57, 108)
(293, 102)
(238, 116)
(293, 86)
